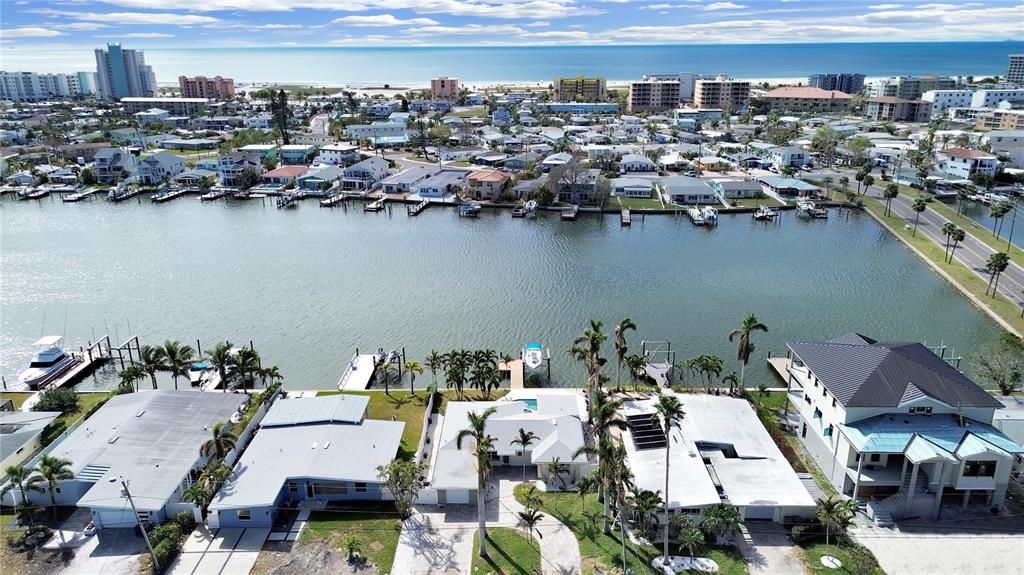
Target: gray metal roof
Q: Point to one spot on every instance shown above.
(18, 428)
(410, 175)
(343, 408)
(862, 372)
(324, 451)
(151, 438)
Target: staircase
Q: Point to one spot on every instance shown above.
(884, 511)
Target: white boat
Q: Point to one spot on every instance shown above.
(49, 363)
(471, 209)
(765, 213)
(531, 207)
(695, 216)
(809, 209)
(198, 373)
(710, 215)
(533, 355)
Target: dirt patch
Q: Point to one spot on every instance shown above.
(304, 558)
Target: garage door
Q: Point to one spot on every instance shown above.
(758, 513)
(457, 496)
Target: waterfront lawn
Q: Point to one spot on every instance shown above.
(469, 395)
(856, 559)
(377, 528)
(773, 400)
(651, 203)
(87, 403)
(473, 112)
(17, 398)
(754, 202)
(400, 405)
(972, 282)
(599, 552)
(509, 552)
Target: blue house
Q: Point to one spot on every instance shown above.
(307, 450)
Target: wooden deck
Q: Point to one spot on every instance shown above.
(515, 369)
(358, 373)
(780, 365)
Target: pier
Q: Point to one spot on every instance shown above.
(333, 200)
(122, 194)
(570, 213)
(33, 193)
(375, 206)
(167, 196)
(659, 361)
(359, 372)
(515, 370)
(416, 209)
(624, 218)
(213, 195)
(79, 196)
(84, 362)
(288, 200)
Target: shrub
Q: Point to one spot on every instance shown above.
(807, 532)
(165, 553)
(167, 532)
(63, 400)
(185, 521)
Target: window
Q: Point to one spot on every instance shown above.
(340, 488)
(875, 457)
(833, 402)
(828, 430)
(817, 413)
(980, 469)
(921, 409)
(244, 515)
(824, 392)
(360, 487)
(293, 487)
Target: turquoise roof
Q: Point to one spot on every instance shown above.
(892, 433)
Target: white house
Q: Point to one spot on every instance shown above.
(788, 156)
(685, 190)
(897, 426)
(338, 154)
(376, 130)
(365, 175)
(631, 187)
(160, 167)
(963, 163)
(636, 163)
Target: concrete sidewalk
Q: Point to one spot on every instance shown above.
(222, 552)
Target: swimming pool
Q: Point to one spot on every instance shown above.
(530, 404)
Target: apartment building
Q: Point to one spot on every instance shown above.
(992, 97)
(892, 109)
(444, 88)
(1015, 72)
(843, 82)
(943, 100)
(1001, 120)
(216, 87)
(910, 87)
(33, 87)
(580, 89)
(123, 73)
(807, 99)
(721, 92)
(653, 95)
(176, 106)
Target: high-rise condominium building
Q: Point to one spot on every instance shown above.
(1015, 73)
(123, 73)
(843, 82)
(721, 92)
(32, 87)
(580, 89)
(444, 88)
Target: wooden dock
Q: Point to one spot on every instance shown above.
(374, 206)
(570, 213)
(168, 195)
(416, 209)
(77, 197)
(33, 194)
(624, 218)
(288, 200)
(116, 195)
(358, 373)
(213, 195)
(333, 200)
(515, 369)
(780, 365)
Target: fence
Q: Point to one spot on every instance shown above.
(423, 448)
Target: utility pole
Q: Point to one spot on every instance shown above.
(145, 536)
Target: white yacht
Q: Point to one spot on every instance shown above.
(49, 363)
(533, 355)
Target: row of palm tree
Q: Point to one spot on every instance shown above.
(476, 369)
(177, 359)
(49, 470)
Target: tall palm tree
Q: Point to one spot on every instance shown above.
(733, 380)
(52, 469)
(587, 348)
(273, 373)
(434, 362)
(744, 345)
(178, 360)
(918, 206)
(957, 236)
(557, 469)
(483, 444)
(947, 230)
(530, 518)
(385, 370)
(827, 180)
(130, 376)
(606, 416)
(524, 440)
(890, 193)
(996, 265)
(247, 361)
(584, 486)
(19, 477)
(621, 348)
(645, 505)
(217, 447)
(414, 368)
(152, 360)
(835, 514)
(670, 410)
(221, 357)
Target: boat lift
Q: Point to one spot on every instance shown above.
(659, 362)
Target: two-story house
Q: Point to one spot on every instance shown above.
(488, 184)
(963, 163)
(364, 175)
(895, 426)
(232, 166)
(113, 164)
(160, 167)
(788, 156)
(576, 186)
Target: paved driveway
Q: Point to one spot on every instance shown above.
(223, 552)
(768, 551)
(111, 552)
(428, 545)
(966, 553)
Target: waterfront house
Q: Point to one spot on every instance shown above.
(264, 151)
(736, 189)
(577, 186)
(632, 187)
(338, 154)
(523, 161)
(720, 453)
(22, 178)
(195, 177)
(308, 450)
(686, 190)
(67, 175)
(555, 160)
(160, 167)
(898, 426)
(636, 163)
(232, 166)
(111, 165)
(284, 175)
(320, 177)
(784, 186)
(441, 184)
(553, 415)
(20, 433)
(405, 181)
(487, 184)
(365, 175)
(788, 156)
(296, 154)
(962, 163)
(151, 439)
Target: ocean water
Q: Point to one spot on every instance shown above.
(413, 66)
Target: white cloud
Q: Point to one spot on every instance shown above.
(885, 6)
(138, 35)
(29, 32)
(538, 24)
(382, 21)
(724, 6)
(87, 26)
(150, 18)
(468, 29)
(556, 35)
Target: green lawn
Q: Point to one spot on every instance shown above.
(856, 559)
(754, 202)
(971, 281)
(651, 203)
(475, 112)
(509, 552)
(469, 395)
(86, 402)
(16, 397)
(400, 405)
(773, 400)
(377, 530)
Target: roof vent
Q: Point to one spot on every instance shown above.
(139, 414)
(113, 439)
(313, 446)
(326, 445)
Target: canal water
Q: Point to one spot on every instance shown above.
(309, 285)
(982, 214)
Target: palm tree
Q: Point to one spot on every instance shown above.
(220, 357)
(273, 373)
(621, 348)
(434, 362)
(996, 265)
(958, 236)
(606, 415)
(670, 409)
(130, 378)
(733, 380)
(645, 506)
(483, 445)
(151, 360)
(720, 519)
(530, 518)
(711, 366)
(217, 447)
(197, 493)
(890, 194)
(557, 469)
(524, 440)
(947, 230)
(745, 346)
(19, 477)
(835, 514)
(247, 361)
(827, 180)
(414, 368)
(962, 195)
(844, 183)
(918, 206)
(690, 538)
(51, 470)
(635, 363)
(869, 181)
(178, 360)
(587, 348)
(584, 486)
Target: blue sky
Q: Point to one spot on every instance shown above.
(63, 24)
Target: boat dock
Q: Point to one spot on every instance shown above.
(695, 216)
(359, 372)
(375, 206)
(659, 361)
(624, 218)
(213, 195)
(515, 373)
(119, 195)
(333, 200)
(167, 196)
(79, 196)
(288, 200)
(86, 360)
(33, 193)
(416, 209)
(780, 365)
(570, 213)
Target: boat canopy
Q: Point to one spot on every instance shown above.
(49, 340)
